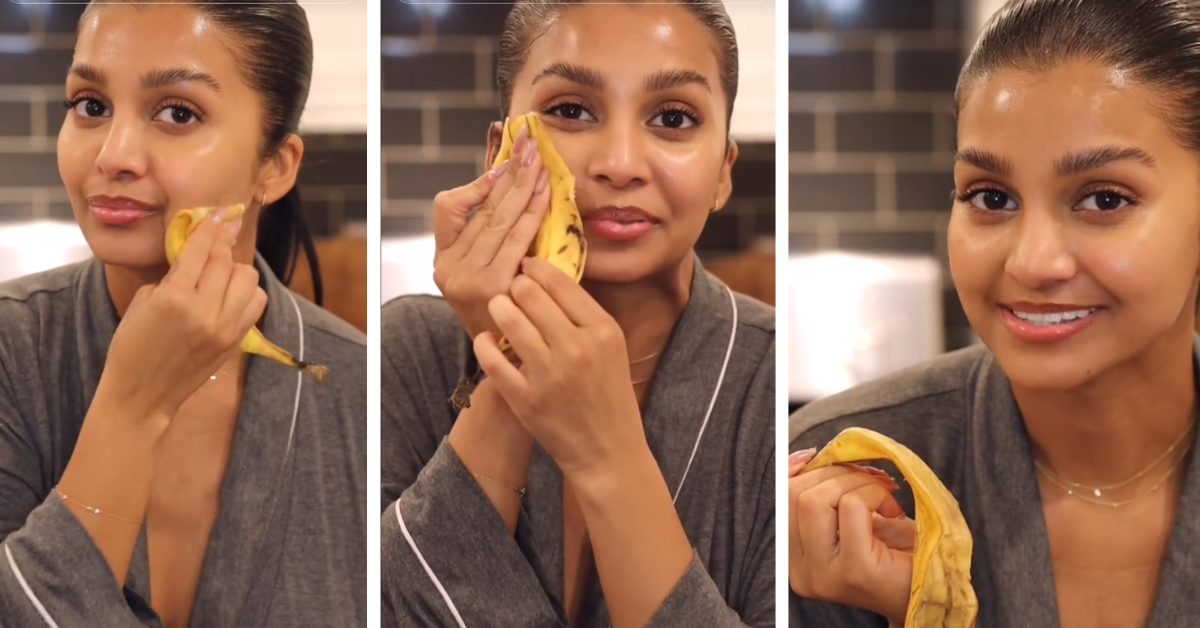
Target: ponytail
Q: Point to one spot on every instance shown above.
(282, 233)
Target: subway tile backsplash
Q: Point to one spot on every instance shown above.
(872, 130)
(39, 39)
(439, 98)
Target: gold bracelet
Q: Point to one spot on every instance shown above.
(94, 511)
(519, 491)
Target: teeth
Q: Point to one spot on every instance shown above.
(1054, 318)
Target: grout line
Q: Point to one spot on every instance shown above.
(809, 163)
(483, 66)
(429, 122)
(869, 101)
(37, 115)
(826, 231)
(885, 191)
(885, 71)
(906, 222)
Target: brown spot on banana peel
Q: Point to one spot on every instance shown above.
(942, 595)
(562, 212)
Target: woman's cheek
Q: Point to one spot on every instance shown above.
(202, 174)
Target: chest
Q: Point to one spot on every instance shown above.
(1104, 575)
(577, 556)
(185, 497)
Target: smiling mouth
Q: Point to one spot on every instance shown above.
(1048, 319)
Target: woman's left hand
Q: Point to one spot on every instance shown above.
(572, 390)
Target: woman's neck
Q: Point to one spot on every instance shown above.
(1120, 422)
(648, 310)
(124, 282)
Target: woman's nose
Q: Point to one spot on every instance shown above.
(1040, 254)
(619, 156)
(123, 154)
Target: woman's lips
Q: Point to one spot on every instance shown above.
(621, 224)
(1047, 324)
(120, 210)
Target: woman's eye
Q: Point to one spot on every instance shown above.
(1104, 201)
(91, 108)
(992, 200)
(176, 115)
(674, 119)
(570, 111)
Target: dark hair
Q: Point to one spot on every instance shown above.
(530, 19)
(1154, 42)
(274, 53)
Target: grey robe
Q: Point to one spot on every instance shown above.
(959, 415)
(289, 546)
(726, 505)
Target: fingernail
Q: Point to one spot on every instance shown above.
(530, 153)
(878, 474)
(522, 139)
(499, 170)
(541, 182)
(234, 228)
(802, 456)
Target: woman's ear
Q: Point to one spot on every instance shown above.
(279, 174)
(495, 138)
(725, 179)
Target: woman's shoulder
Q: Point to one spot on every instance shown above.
(330, 328)
(922, 402)
(33, 304)
(419, 322)
(35, 289)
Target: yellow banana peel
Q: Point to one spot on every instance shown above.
(181, 227)
(560, 238)
(942, 595)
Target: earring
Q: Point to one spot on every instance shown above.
(263, 202)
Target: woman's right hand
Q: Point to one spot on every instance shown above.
(849, 541)
(478, 259)
(176, 334)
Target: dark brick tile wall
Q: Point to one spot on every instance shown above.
(872, 130)
(438, 100)
(39, 41)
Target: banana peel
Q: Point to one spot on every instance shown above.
(942, 595)
(560, 238)
(180, 228)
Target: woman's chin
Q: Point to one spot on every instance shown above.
(127, 250)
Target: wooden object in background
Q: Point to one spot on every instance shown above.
(343, 261)
(751, 273)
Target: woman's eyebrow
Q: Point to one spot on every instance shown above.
(984, 161)
(164, 78)
(1075, 163)
(150, 80)
(669, 79)
(574, 73)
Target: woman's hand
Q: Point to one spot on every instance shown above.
(572, 391)
(849, 541)
(176, 334)
(477, 260)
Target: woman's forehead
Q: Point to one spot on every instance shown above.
(118, 37)
(1071, 106)
(626, 42)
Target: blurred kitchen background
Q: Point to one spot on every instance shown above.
(871, 140)
(439, 97)
(37, 228)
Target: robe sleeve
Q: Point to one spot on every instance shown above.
(447, 558)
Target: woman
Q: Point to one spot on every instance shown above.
(149, 471)
(1075, 247)
(622, 474)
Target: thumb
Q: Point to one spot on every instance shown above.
(450, 208)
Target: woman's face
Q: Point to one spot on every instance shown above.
(631, 96)
(1075, 240)
(160, 120)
